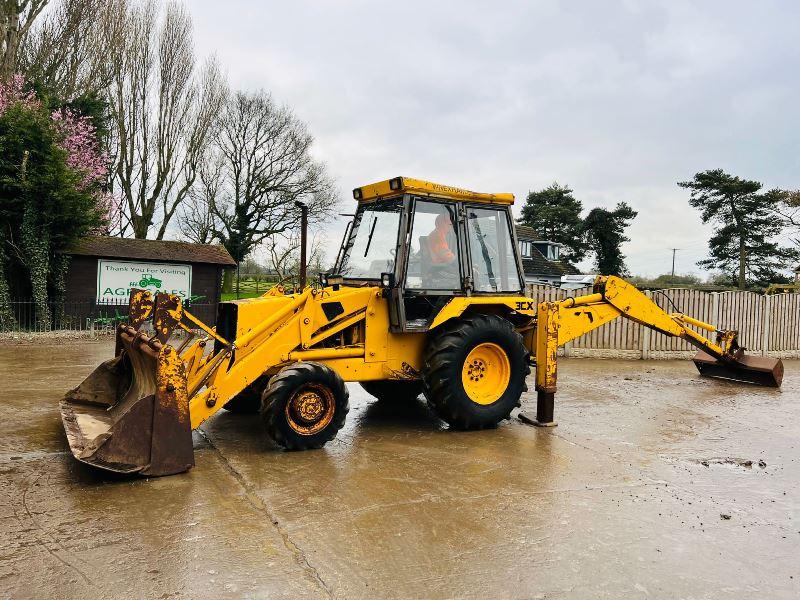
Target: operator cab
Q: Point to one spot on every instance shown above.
(425, 243)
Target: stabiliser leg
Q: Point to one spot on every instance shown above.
(546, 349)
(545, 403)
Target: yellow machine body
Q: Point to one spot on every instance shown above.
(136, 411)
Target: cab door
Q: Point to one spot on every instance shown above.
(434, 268)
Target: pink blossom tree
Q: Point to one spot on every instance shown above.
(58, 176)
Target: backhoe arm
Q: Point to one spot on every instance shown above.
(562, 322)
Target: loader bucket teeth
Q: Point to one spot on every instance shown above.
(140, 307)
(758, 370)
(131, 415)
(167, 314)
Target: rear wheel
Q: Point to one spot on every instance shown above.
(475, 371)
(304, 406)
(392, 390)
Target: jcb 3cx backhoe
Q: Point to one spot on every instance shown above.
(426, 296)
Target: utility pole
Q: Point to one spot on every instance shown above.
(674, 250)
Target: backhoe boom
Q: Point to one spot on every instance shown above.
(564, 321)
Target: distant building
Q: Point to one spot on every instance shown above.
(102, 270)
(541, 259)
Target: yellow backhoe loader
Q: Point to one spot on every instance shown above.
(426, 296)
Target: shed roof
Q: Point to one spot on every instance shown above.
(159, 250)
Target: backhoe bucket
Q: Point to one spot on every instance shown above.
(131, 415)
(758, 370)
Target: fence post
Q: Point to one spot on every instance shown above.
(715, 308)
(765, 324)
(644, 339)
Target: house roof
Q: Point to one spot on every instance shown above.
(527, 233)
(537, 264)
(160, 250)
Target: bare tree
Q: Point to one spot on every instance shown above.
(163, 108)
(16, 19)
(197, 222)
(267, 168)
(283, 256)
(67, 49)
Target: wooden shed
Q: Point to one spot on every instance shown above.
(102, 270)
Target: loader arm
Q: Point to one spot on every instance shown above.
(135, 412)
(564, 321)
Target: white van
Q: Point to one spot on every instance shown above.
(576, 282)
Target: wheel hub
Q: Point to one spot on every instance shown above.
(309, 406)
(311, 409)
(486, 373)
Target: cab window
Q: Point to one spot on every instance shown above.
(372, 245)
(494, 268)
(434, 262)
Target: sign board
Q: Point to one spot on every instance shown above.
(115, 278)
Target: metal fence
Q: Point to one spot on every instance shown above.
(80, 315)
(768, 325)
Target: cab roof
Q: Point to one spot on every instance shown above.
(407, 185)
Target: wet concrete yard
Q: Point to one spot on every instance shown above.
(656, 483)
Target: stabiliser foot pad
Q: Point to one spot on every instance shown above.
(531, 421)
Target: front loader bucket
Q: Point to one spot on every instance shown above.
(131, 415)
(758, 370)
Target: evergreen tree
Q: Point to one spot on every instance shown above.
(605, 233)
(556, 215)
(51, 193)
(743, 244)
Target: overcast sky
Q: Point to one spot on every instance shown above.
(619, 100)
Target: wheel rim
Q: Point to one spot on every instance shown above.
(486, 373)
(310, 409)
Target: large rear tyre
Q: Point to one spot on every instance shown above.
(304, 406)
(392, 390)
(475, 371)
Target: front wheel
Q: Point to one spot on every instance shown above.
(304, 406)
(475, 371)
